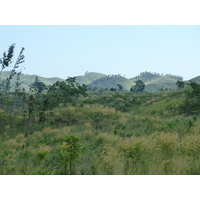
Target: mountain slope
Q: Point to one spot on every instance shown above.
(195, 79)
(111, 82)
(154, 81)
(27, 80)
(89, 78)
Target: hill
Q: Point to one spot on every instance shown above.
(145, 77)
(195, 79)
(88, 78)
(111, 82)
(27, 80)
(155, 81)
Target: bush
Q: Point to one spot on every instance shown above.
(191, 104)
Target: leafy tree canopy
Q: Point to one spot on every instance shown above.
(180, 84)
(38, 86)
(139, 87)
(120, 87)
(191, 104)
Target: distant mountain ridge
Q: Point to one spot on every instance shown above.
(89, 77)
(111, 82)
(153, 81)
(196, 79)
(26, 80)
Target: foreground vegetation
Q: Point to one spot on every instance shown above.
(107, 133)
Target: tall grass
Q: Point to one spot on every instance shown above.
(148, 137)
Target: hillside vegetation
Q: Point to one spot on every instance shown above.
(111, 82)
(97, 81)
(107, 133)
(89, 77)
(28, 80)
(195, 79)
(154, 81)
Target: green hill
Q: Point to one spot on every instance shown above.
(27, 80)
(89, 78)
(145, 77)
(111, 82)
(195, 79)
(155, 81)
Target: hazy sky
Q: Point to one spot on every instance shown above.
(62, 51)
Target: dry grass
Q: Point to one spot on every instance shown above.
(151, 140)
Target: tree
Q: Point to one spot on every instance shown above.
(113, 89)
(5, 62)
(180, 84)
(68, 154)
(73, 149)
(31, 107)
(138, 87)
(38, 86)
(85, 87)
(120, 87)
(180, 78)
(17, 90)
(66, 91)
(191, 104)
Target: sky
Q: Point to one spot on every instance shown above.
(71, 50)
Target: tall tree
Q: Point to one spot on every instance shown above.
(38, 86)
(66, 91)
(5, 62)
(72, 150)
(191, 104)
(138, 87)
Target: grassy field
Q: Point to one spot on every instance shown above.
(105, 133)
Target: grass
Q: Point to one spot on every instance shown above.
(118, 133)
